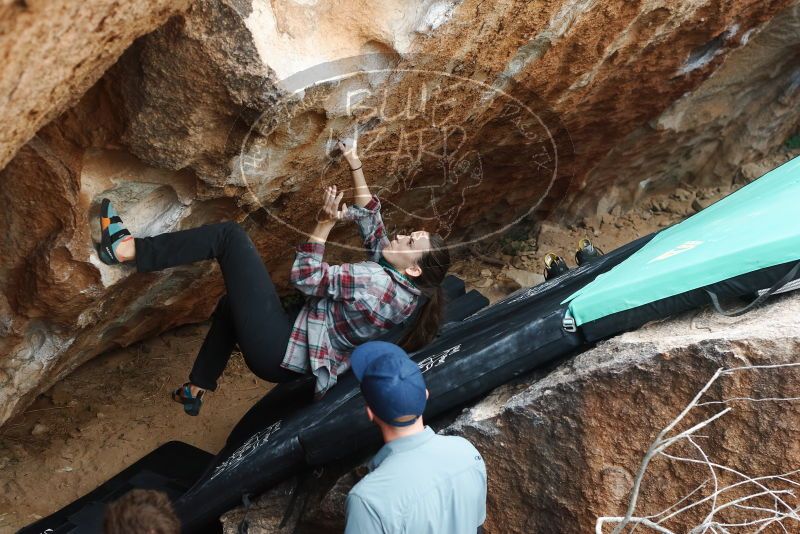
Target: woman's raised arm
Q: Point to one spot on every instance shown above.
(350, 152)
(328, 215)
(314, 277)
(366, 209)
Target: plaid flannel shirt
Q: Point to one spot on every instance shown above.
(347, 304)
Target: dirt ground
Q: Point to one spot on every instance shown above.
(106, 415)
(116, 408)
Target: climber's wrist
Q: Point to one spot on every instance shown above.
(320, 233)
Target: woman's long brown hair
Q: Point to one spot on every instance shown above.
(434, 264)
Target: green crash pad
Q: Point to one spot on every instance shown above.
(753, 228)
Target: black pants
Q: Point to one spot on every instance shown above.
(250, 313)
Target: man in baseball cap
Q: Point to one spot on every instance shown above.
(419, 481)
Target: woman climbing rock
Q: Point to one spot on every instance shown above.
(345, 305)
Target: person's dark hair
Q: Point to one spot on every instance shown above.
(141, 512)
(434, 264)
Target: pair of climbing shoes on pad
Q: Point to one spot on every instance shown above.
(554, 265)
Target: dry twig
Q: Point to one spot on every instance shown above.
(721, 498)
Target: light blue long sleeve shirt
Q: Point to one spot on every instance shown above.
(420, 484)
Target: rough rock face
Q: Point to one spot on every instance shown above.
(54, 51)
(564, 449)
(711, 134)
(493, 113)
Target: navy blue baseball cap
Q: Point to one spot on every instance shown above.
(391, 382)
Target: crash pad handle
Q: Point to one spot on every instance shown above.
(761, 298)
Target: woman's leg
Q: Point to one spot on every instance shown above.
(216, 349)
(262, 328)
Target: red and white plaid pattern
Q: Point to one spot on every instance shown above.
(347, 304)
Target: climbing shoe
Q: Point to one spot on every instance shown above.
(112, 233)
(586, 252)
(191, 404)
(554, 265)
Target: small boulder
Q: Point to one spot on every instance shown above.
(524, 278)
(700, 205)
(40, 429)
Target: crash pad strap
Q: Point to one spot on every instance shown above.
(761, 298)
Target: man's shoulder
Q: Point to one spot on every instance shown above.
(441, 454)
(464, 456)
(444, 455)
(358, 494)
(365, 491)
(456, 445)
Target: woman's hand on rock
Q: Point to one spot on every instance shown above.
(349, 150)
(330, 212)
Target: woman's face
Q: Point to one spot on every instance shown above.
(405, 251)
